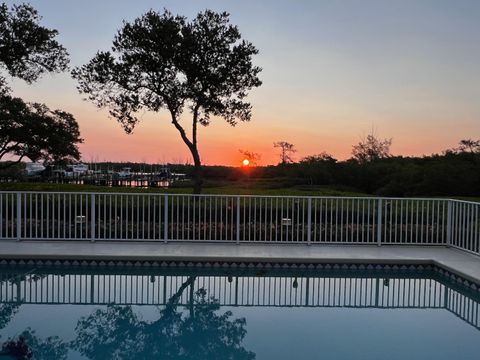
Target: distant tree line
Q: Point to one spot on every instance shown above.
(439, 175)
(454, 172)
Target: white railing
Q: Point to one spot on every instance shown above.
(237, 219)
(464, 229)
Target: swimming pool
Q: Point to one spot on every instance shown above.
(137, 313)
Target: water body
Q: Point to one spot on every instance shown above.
(129, 183)
(250, 314)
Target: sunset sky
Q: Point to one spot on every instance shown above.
(332, 71)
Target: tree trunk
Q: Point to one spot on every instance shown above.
(197, 179)
(197, 172)
(192, 145)
(191, 305)
(197, 169)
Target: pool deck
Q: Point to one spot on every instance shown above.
(456, 261)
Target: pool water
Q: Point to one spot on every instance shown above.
(224, 314)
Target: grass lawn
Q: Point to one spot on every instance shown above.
(217, 187)
(232, 188)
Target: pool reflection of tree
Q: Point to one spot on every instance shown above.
(199, 333)
(7, 311)
(116, 332)
(27, 345)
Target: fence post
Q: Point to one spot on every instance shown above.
(379, 222)
(19, 216)
(449, 222)
(165, 218)
(93, 216)
(309, 222)
(238, 220)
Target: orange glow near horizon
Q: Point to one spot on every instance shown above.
(333, 130)
(157, 142)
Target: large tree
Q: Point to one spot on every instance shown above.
(34, 131)
(162, 61)
(27, 51)
(204, 332)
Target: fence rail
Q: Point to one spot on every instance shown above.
(232, 218)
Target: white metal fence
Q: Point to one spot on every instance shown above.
(231, 218)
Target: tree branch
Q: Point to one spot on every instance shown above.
(174, 299)
(7, 149)
(181, 130)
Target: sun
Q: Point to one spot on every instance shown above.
(246, 162)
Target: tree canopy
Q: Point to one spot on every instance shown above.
(371, 148)
(34, 131)
(118, 333)
(322, 157)
(29, 346)
(467, 146)
(163, 61)
(251, 156)
(286, 151)
(27, 49)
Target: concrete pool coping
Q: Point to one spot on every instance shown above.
(458, 262)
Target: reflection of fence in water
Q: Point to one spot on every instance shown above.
(464, 307)
(240, 291)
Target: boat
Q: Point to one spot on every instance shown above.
(76, 170)
(126, 172)
(34, 168)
